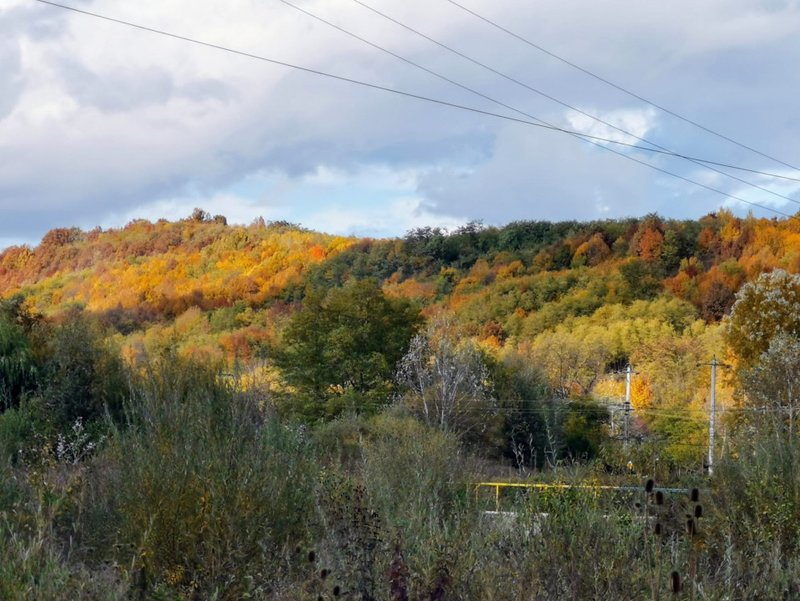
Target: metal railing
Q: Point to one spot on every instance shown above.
(498, 486)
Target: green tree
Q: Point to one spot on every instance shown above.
(585, 429)
(340, 350)
(18, 358)
(531, 417)
(640, 280)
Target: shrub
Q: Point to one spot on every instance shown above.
(17, 430)
(200, 493)
(84, 376)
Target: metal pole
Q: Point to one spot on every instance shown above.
(712, 415)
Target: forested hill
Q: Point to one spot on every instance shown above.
(507, 278)
(573, 301)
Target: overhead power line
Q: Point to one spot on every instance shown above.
(519, 111)
(406, 94)
(662, 149)
(619, 87)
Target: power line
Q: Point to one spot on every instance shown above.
(411, 95)
(566, 405)
(422, 97)
(516, 110)
(663, 150)
(503, 75)
(618, 87)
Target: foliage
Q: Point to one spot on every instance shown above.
(584, 429)
(17, 363)
(84, 376)
(204, 495)
(755, 493)
(18, 427)
(339, 350)
(125, 476)
(530, 419)
(771, 388)
(204, 491)
(764, 308)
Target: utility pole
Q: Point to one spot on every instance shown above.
(627, 405)
(712, 411)
(712, 415)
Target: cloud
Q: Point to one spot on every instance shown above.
(786, 195)
(540, 175)
(637, 122)
(374, 202)
(99, 122)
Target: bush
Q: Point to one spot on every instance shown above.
(408, 512)
(576, 550)
(200, 493)
(18, 428)
(36, 560)
(32, 568)
(756, 522)
(339, 441)
(84, 376)
(17, 363)
(414, 474)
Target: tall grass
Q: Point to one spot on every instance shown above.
(201, 493)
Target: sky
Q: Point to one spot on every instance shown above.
(101, 123)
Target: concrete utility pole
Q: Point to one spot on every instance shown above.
(627, 405)
(712, 416)
(712, 411)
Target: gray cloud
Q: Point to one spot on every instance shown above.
(11, 68)
(99, 120)
(124, 89)
(120, 89)
(541, 176)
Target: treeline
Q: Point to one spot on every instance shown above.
(577, 301)
(211, 264)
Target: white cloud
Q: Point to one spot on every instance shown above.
(544, 176)
(375, 201)
(399, 216)
(786, 190)
(637, 122)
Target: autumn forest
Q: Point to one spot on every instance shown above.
(199, 410)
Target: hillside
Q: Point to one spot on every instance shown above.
(579, 300)
(211, 264)
(515, 282)
(197, 410)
